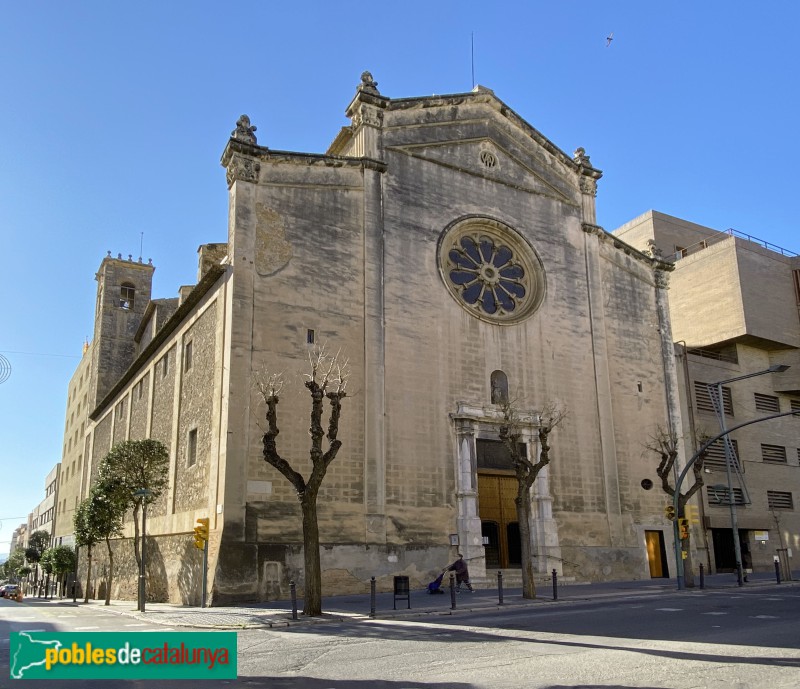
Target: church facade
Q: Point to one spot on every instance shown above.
(452, 253)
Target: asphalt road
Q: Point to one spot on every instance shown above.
(731, 639)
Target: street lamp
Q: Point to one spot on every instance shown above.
(143, 493)
(719, 408)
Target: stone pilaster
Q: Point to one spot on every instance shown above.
(366, 113)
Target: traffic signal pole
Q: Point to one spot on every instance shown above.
(201, 542)
(205, 574)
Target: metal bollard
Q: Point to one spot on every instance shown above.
(452, 592)
(702, 577)
(555, 585)
(500, 587)
(372, 597)
(777, 571)
(293, 590)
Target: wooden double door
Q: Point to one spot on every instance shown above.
(499, 524)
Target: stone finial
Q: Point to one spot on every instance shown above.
(244, 130)
(368, 84)
(653, 250)
(581, 158)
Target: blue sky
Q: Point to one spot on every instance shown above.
(114, 116)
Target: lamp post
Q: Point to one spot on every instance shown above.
(143, 493)
(720, 409)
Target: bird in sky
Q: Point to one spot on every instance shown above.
(609, 38)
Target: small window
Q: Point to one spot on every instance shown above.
(773, 453)
(127, 292)
(165, 365)
(191, 448)
(187, 356)
(310, 337)
(768, 403)
(779, 500)
(681, 251)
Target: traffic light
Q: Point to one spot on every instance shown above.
(683, 527)
(201, 533)
(669, 512)
(691, 513)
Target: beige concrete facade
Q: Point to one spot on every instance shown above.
(734, 307)
(439, 242)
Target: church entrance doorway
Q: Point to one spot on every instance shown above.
(499, 525)
(656, 554)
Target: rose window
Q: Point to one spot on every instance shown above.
(491, 270)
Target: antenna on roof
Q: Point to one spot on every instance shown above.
(141, 244)
(472, 55)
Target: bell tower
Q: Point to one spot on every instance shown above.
(123, 293)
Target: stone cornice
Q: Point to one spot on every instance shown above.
(604, 236)
(236, 153)
(488, 97)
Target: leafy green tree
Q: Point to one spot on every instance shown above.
(58, 561)
(109, 505)
(37, 544)
(15, 564)
(85, 535)
(135, 466)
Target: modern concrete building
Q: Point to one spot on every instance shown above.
(453, 253)
(735, 309)
(42, 518)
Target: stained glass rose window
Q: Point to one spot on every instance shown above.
(491, 270)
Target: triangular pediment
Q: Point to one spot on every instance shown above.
(487, 158)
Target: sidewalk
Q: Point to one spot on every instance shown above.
(357, 607)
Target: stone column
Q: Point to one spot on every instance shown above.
(468, 522)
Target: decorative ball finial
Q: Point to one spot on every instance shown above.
(244, 130)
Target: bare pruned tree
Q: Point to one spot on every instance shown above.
(327, 379)
(665, 444)
(526, 470)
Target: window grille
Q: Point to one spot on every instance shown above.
(719, 495)
(768, 403)
(779, 500)
(715, 455)
(702, 396)
(773, 453)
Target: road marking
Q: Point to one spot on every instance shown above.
(764, 617)
(61, 617)
(83, 629)
(138, 624)
(714, 613)
(669, 609)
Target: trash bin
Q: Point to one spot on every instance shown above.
(402, 591)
